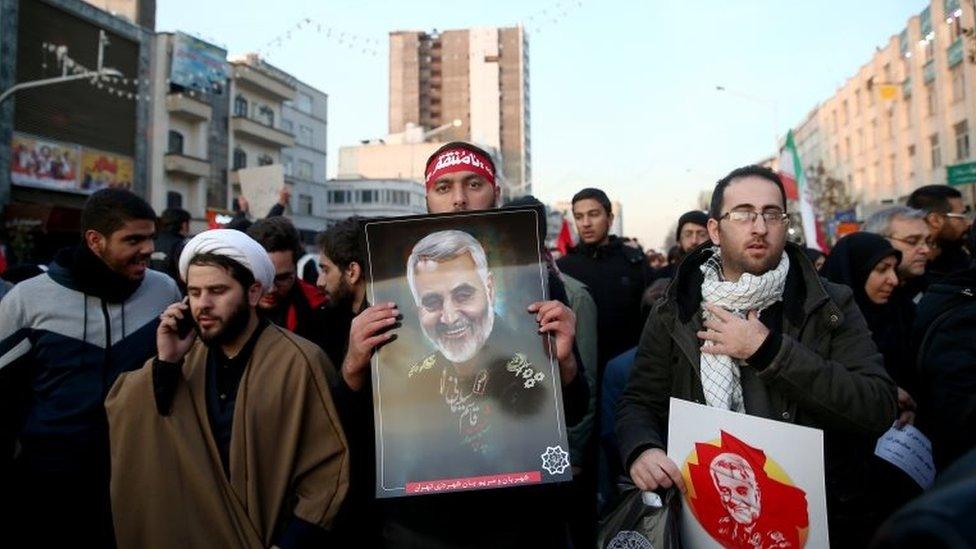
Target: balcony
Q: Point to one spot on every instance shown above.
(191, 109)
(955, 53)
(249, 77)
(186, 165)
(256, 131)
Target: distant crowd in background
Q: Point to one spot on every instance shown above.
(158, 387)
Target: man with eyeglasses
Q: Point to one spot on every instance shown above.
(948, 219)
(292, 303)
(909, 233)
(748, 325)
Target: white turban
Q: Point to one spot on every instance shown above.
(232, 244)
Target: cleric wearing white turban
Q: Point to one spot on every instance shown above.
(235, 245)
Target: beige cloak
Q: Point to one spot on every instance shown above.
(287, 452)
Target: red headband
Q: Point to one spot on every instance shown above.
(459, 160)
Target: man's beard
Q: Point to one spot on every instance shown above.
(742, 263)
(233, 327)
(343, 297)
(462, 350)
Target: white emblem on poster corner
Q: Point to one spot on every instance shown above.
(555, 460)
(629, 539)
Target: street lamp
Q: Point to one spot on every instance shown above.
(771, 104)
(98, 73)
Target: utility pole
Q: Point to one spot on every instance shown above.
(66, 64)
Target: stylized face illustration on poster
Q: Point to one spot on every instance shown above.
(739, 495)
(466, 397)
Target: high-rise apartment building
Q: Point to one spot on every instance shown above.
(479, 76)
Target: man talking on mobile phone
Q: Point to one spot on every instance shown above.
(231, 429)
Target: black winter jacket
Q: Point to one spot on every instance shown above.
(822, 371)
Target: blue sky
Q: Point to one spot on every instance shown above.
(622, 92)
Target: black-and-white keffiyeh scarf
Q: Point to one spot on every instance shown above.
(720, 374)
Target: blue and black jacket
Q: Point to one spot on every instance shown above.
(65, 336)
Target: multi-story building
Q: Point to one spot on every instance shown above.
(306, 117)
(373, 198)
(63, 141)
(906, 116)
(188, 138)
(258, 92)
(478, 76)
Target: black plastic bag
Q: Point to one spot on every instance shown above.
(637, 523)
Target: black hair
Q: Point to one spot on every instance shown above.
(107, 210)
(461, 145)
(277, 234)
(531, 202)
(718, 195)
(933, 198)
(237, 271)
(696, 217)
(342, 243)
(594, 194)
(172, 219)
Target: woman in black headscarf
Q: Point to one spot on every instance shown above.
(867, 263)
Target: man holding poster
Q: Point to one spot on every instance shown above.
(748, 325)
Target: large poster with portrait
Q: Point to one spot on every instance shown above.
(100, 170)
(466, 396)
(751, 482)
(43, 163)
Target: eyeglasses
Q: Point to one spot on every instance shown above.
(968, 216)
(770, 217)
(915, 241)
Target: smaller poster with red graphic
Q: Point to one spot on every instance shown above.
(752, 482)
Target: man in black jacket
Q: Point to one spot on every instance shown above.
(949, 219)
(174, 227)
(615, 274)
(461, 177)
(779, 343)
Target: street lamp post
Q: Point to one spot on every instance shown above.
(771, 104)
(99, 72)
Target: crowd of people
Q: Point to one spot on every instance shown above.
(159, 389)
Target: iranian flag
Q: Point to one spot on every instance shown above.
(791, 172)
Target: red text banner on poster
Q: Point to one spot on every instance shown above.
(474, 483)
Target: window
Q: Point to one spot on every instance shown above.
(860, 141)
(174, 199)
(890, 124)
(265, 160)
(955, 28)
(929, 100)
(847, 148)
(845, 112)
(304, 102)
(368, 197)
(870, 92)
(936, 152)
(873, 136)
(175, 142)
(287, 126)
(266, 115)
(240, 106)
(305, 204)
(833, 115)
(240, 159)
(305, 170)
(958, 83)
(286, 164)
(911, 150)
(337, 197)
(305, 135)
(962, 140)
(857, 102)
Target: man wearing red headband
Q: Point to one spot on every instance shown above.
(461, 177)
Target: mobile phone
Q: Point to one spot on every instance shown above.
(186, 324)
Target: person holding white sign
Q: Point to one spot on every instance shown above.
(747, 325)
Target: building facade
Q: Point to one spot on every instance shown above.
(373, 198)
(478, 76)
(306, 117)
(905, 117)
(61, 142)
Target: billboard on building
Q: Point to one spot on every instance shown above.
(43, 163)
(100, 169)
(198, 65)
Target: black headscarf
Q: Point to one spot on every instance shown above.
(850, 262)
